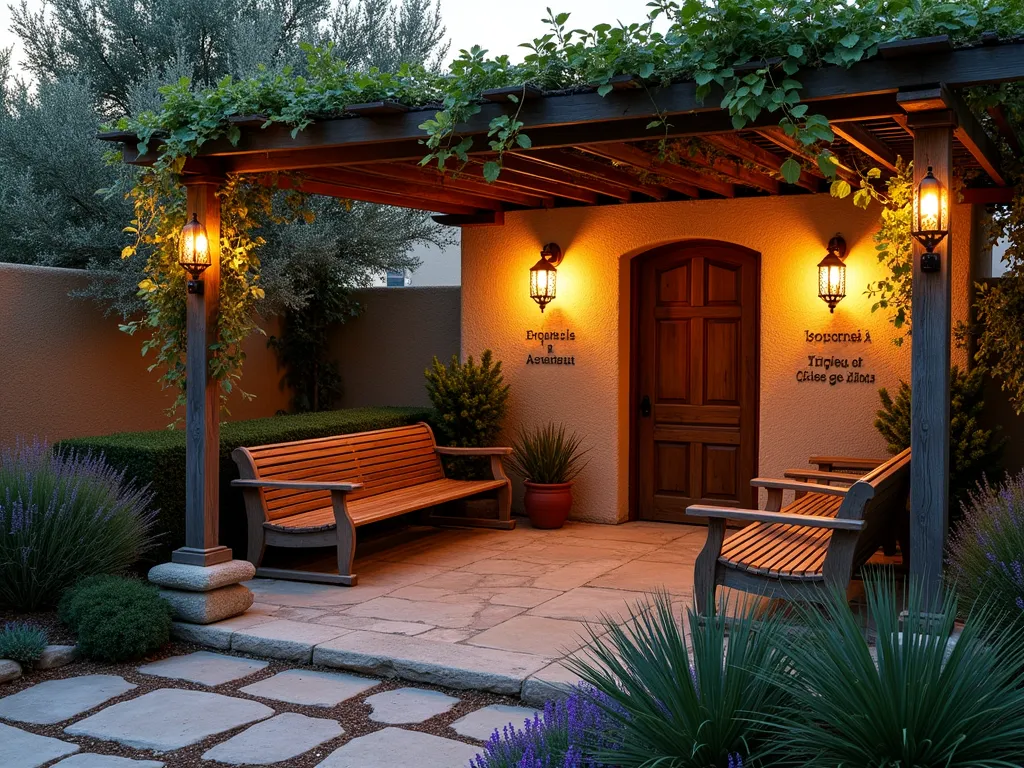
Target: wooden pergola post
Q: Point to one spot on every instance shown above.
(202, 407)
(933, 123)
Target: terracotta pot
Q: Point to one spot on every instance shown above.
(548, 505)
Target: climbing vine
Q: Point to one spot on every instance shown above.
(745, 55)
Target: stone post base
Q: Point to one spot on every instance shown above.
(204, 594)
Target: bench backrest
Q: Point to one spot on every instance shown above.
(880, 500)
(383, 460)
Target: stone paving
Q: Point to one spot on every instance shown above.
(149, 729)
(466, 608)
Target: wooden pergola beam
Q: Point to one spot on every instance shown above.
(958, 68)
(369, 196)
(968, 130)
(867, 143)
(624, 153)
(577, 163)
(532, 184)
(737, 172)
(778, 137)
(526, 164)
(355, 180)
(432, 179)
(998, 115)
(745, 150)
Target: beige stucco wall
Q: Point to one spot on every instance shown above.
(384, 351)
(796, 420)
(68, 371)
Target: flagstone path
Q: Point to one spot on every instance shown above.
(227, 717)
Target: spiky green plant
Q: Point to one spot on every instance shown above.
(548, 454)
(22, 642)
(673, 701)
(916, 702)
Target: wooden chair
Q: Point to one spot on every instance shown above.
(806, 549)
(315, 493)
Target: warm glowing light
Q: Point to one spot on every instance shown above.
(930, 223)
(832, 273)
(544, 275)
(194, 252)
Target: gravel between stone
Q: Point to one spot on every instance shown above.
(352, 715)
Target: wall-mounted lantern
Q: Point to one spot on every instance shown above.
(832, 273)
(931, 219)
(194, 253)
(544, 275)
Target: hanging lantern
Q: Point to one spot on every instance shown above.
(832, 273)
(194, 253)
(544, 275)
(930, 223)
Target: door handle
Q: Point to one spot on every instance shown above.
(645, 406)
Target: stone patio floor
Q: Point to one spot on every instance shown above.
(466, 608)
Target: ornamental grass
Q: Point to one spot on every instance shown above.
(64, 516)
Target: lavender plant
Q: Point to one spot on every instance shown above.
(986, 554)
(64, 516)
(563, 737)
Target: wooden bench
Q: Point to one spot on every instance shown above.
(808, 548)
(315, 493)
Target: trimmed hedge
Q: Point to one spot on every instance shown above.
(158, 459)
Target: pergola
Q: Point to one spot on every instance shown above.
(590, 150)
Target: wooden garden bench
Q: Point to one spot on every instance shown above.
(808, 548)
(315, 493)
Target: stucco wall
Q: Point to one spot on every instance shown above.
(796, 420)
(67, 371)
(384, 351)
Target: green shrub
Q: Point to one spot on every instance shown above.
(116, 619)
(922, 703)
(158, 458)
(686, 702)
(548, 455)
(470, 401)
(973, 450)
(23, 643)
(64, 515)
(986, 551)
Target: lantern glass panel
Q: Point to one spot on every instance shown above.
(543, 283)
(831, 280)
(194, 248)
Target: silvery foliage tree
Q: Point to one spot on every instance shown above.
(91, 61)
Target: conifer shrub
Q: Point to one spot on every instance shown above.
(973, 450)
(22, 642)
(116, 619)
(471, 400)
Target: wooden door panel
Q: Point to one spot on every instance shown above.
(722, 284)
(722, 339)
(673, 361)
(696, 360)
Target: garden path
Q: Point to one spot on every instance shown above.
(210, 708)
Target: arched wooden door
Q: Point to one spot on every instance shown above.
(695, 357)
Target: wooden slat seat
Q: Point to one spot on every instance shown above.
(312, 493)
(385, 505)
(812, 545)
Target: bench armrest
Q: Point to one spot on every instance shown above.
(793, 485)
(814, 474)
(485, 451)
(781, 518)
(297, 485)
(847, 462)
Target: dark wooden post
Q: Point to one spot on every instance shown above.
(932, 123)
(202, 407)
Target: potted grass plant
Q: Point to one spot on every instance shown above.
(549, 460)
